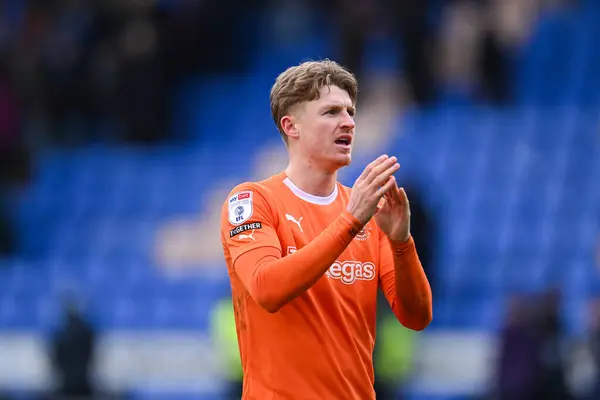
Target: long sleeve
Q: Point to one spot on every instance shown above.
(405, 284)
(271, 279)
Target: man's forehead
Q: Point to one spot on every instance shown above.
(334, 95)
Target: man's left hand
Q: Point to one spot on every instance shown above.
(393, 215)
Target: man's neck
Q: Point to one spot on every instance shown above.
(311, 180)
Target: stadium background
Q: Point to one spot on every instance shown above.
(124, 124)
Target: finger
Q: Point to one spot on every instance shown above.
(402, 197)
(388, 196)
(385, 174)
(391, 182)
(397, 196)
(381, 168)
(381, 205)
(371, 166)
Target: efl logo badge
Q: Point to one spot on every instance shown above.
(240, 207)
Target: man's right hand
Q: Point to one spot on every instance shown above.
(371, 185)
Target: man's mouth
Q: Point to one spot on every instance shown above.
(344, 140)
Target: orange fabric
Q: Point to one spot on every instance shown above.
(412, 304)
(304, 280)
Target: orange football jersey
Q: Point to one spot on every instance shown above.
(319, 345)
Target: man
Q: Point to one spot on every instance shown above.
(72, 354)
(305, 259)
(224, 337)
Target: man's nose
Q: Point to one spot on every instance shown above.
(347, 120)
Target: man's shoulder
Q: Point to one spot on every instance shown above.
(245, 199)
(262, 188)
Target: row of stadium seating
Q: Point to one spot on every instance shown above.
(516, 192)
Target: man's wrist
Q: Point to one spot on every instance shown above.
(401, 247)
(400, 239)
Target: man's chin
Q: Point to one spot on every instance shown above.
(343, 161)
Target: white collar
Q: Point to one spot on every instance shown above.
(311, 198)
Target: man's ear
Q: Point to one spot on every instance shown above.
(290, 126)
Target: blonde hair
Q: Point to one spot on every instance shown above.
(303, 82)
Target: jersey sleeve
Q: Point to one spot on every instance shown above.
(247, 222)
(249, 230)
(404, 283)
(387, 274)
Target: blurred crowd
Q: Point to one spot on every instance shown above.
(69, 64)
(74, 72)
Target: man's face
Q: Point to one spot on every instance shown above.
(326, 129)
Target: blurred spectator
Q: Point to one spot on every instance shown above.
(23, 59)
(532, 357)
(505, 26)
(7, 232)
(597, 254)
(63, 61)
(72, 354)
(494, 66)
(356, 20)
(142, 105)
(13, 156)
(393, 355)
(459, 27)
(586, 360)
(477, 42)
(519, 366)
(409, 25)
(552, 383)
(10, 127)
(224, 337)
(412, 27)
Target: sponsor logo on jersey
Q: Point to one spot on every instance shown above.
(240, 207)
(349, 272)
(243, 228)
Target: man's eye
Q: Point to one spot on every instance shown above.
(332, 112)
